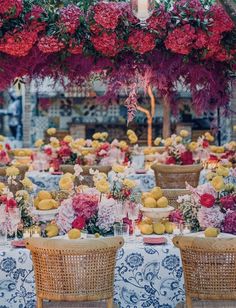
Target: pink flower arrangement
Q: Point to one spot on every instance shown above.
(50, 44)
(107, 14)
(107, 43)
(69, 19)
(229, 225)
(85, 205)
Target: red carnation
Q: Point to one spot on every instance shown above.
(18, 44)
(107, 14)
(48, 151)
(64, 151)
(69, 19)
(142, 41)
(79, 223)
(50, 44)
(8, 147)
(207, 200)
(187, 158)
(11, 203)
(3, 199)
(33, 18)
(205, 144)
(221, 21)
(107, 44)
(170, 160)
(11, 8)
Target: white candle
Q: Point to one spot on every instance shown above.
(142, 12)
(26, 234)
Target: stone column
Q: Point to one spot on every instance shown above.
(166, 129)
(26, 117)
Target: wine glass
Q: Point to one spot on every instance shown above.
(133, 213)
(120, 212)
(13, 220)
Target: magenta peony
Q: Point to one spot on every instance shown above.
(228, 202)
(85, 205)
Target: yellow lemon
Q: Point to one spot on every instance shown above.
(36, 202)
(150, 202)
(146, 195)
(159, 228)
(156, 193)
(45, 204)
(97, 136)
(168, 142)
(210, 175)
(211, 232)
(102, 186)
(209, 137)
(68, 139)
(162, 202)
(43, 194)
(52, 230)
(123, 144)
(169, 227)
(157, 141)
(146, 229)
(178, 139)
(147, 220)
(97, 235)
(218, 183)
(73, 234)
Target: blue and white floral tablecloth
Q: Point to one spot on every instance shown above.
(44, 181)
(146, 276)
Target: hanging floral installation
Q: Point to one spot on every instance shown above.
(190, 42)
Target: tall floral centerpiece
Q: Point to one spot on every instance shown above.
(210, 205)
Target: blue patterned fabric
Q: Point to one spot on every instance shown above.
(44, 181)
(145, 276)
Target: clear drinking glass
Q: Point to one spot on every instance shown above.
(121, 230)
(3, 235)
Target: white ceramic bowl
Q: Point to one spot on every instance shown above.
(157, 214)
(46, 215)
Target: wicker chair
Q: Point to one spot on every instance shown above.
(73, 270)
(88, 178)
(173, 194)
(176, 176)
(209, 270)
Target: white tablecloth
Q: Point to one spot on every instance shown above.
(145, 276)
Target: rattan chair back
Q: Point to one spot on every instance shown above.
(173, 194)
(176, 176)
(209, 266)
(75, 270)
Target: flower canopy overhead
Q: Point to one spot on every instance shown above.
(190, 42)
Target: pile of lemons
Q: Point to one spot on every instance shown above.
(154, 199)
(147, 227)
(44, 201)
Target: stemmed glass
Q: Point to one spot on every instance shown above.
(133, 213)
(120, 212)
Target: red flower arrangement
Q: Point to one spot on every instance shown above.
(11, 8)
(79, 223)
(64, 151)
(107, 14)
(221, 22)
(107, 43)
(18, 44)
(85, 205)
(50, 44)
(141, 41)
(207, 200)
(69, 19)
(228, 202)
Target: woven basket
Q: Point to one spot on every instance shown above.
(209, 267)
(173, 194)
(76, 270)
(176, 176)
